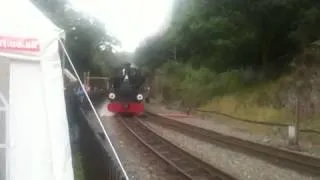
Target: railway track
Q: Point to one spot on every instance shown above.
(285, 158)
(184, 163)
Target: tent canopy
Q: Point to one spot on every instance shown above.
(24, 29)
(34, 134)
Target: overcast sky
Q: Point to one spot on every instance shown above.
(129, 20)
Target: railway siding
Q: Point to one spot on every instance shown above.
(242, 166)
(290, 159)
(273, 136)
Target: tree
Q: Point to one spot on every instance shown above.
(231, 34)
(87, 41)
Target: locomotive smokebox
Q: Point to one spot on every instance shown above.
(127, 92)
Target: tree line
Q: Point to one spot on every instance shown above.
(231, 34)
(89, 45)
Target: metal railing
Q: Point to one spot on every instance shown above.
(100, 152)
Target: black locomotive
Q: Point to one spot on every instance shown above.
(125, 93)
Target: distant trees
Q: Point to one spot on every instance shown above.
(87, 41)
(232, 34)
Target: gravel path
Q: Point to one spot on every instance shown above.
(276, 137)
(242, 166)
(136, 159)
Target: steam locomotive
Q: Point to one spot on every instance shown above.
(126, 93)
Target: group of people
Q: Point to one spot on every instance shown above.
(80, 93)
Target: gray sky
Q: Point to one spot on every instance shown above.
(130, 21)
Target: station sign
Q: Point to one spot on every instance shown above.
(8, 43)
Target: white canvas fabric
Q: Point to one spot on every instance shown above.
(3, 118)
(37, 141)
(4, 94)
(21, 19)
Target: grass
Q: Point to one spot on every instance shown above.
(244, 105)
(237, 107)
(77, 167)
(226, 93)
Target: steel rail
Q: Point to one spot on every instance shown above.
(285, 158)
(186, 164)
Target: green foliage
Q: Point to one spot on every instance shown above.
(196, 86)
(229, 34)
(78, 167)
(87, 42)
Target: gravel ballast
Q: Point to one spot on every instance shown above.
(136, 159)
(252, 132)
(240, 165)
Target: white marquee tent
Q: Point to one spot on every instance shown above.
(34, 137)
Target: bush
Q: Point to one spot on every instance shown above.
(197, 86)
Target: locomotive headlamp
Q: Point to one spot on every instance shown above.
(112, 96)
(139, 97)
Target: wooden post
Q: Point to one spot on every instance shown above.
(188, 111)
(84, 77)
(88, 78)
(293, 130)
(175, 53)
(297, 122)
